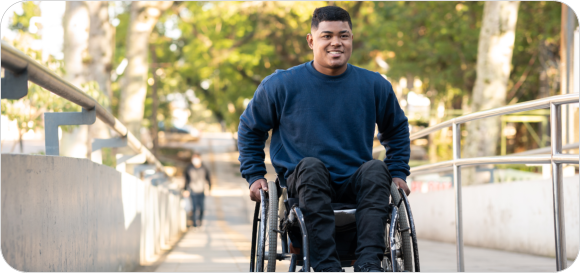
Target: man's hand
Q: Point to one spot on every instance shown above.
(401, 184)
(255, 189)
(185, 194)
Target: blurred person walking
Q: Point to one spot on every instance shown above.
(196, 175)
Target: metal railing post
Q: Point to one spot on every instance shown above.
(15, 85)
(458, 202)
(52, 120)
(557, 186)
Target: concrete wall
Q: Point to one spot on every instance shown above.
(70, 214)
(515, 216)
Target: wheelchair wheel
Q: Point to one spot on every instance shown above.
(402, 240)
(267, 236)
(413, 231)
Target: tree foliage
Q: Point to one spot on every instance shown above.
(226, 48)
(222, 50)
(435, 41)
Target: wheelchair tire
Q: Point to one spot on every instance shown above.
(267, 237)
(272, 225)
(255, 236)
(406, 250)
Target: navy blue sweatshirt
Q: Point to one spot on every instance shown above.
(331, 118)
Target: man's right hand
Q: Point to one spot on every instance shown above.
(255, 189)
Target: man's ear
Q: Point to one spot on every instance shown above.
(310, 40)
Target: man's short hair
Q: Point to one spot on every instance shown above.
(329, 13)
(195, 154)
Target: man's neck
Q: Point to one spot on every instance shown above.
(329, 71)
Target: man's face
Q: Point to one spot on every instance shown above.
(196, 160)
(332, 46)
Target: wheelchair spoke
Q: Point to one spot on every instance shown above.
(399, 257)
(399, 253)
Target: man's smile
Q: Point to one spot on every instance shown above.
(335, 53)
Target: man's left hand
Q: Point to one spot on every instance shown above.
(401, 184)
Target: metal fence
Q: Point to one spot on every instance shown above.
(555, 157)
(20, 68)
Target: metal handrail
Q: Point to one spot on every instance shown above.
(444, 166)
(546, 150)
(570, 146)
(555, 158)
(510, 109)
(16, 61)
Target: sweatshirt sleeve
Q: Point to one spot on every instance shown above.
(258, 118)
(393, 131)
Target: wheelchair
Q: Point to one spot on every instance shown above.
(278, 216)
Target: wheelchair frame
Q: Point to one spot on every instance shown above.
(262, 227)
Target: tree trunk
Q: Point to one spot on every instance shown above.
(144, 16)
(75, 47)
(494, 57)
(568, 24)
(100, 47)
(544, 88)
(154, 122)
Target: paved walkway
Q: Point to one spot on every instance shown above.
(223, 242)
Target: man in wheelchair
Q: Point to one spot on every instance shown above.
(323, 115)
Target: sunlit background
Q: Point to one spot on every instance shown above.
(205, 59)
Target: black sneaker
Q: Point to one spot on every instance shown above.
(368, 267)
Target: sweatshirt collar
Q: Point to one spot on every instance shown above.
(310, 68)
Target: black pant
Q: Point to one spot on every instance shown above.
(197, 201)
(368, 187)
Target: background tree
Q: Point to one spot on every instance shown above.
(87, 52)
(494, 59)
(100, 51)
(76, 24)
(143, 16)
(436, 42)
(101, 45)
